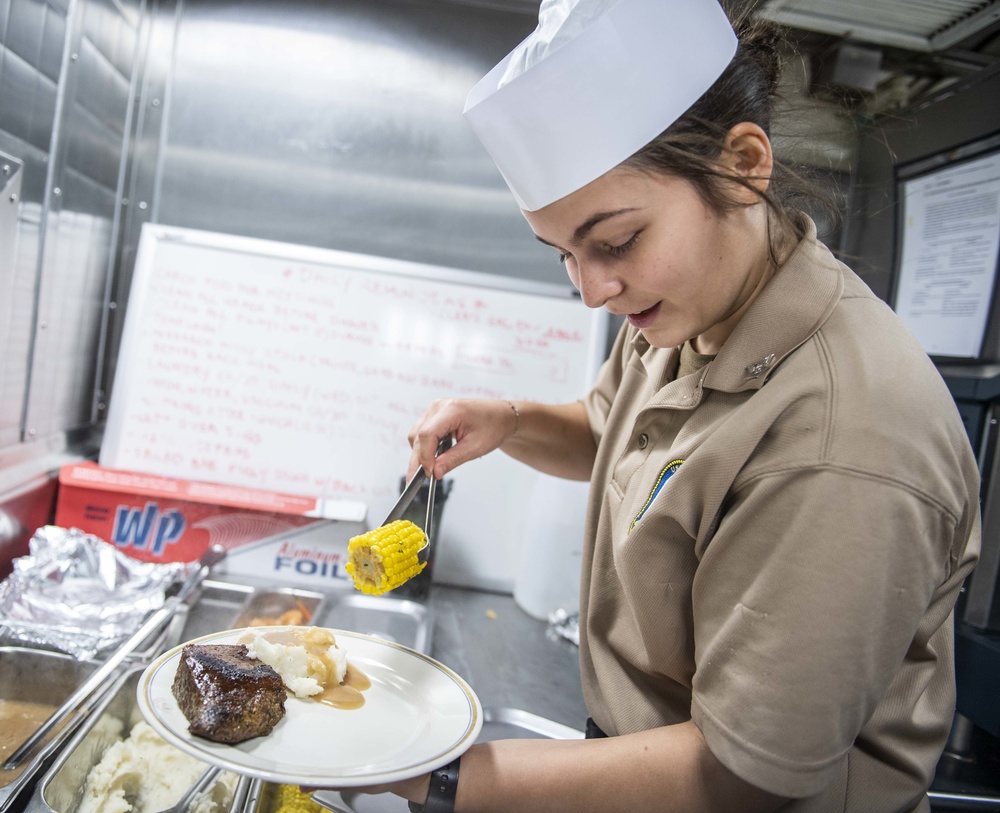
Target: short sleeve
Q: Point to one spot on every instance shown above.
(806, 601)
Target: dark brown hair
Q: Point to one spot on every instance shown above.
(746, 91)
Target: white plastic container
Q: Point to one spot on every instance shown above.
(548, 578)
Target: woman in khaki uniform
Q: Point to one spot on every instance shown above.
(784, 503)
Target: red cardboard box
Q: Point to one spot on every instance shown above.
(162, 519)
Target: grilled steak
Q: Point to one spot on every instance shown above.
(226, 695)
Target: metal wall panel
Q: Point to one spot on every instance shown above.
(65, 76)
(19, 287)
(338, 124)
(83, 183)
(30, 55)
(152, 74)
(11, 176)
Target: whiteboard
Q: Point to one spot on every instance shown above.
(301, 370)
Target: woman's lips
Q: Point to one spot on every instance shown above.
(644, 318)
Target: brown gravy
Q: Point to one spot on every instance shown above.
(19, 719)
(344, 695)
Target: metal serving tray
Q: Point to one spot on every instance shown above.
(60, 789)
(154, 644)
(38, 676)
(409, 623)
(231, 605)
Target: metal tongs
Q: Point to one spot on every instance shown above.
(156, 622)
(413, 487)
(200, 786)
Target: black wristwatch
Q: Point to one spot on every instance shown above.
(441, 793)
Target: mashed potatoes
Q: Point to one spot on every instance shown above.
(307, 658)
(145, 774)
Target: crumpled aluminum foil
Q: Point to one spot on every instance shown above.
(78, 594)
(564, 624)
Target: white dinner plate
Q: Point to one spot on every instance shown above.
(418, 715)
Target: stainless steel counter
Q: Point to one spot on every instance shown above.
(506, 655)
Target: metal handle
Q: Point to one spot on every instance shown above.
(153, 624)
(412, 487)
(443, 446)
(429, 519)
(202, 783)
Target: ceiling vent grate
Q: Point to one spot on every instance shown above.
(915, 25)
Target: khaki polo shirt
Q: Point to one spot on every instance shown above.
(776, 542)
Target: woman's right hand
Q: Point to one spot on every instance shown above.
(477, 425)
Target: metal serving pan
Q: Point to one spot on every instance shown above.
(153, 645)
(232, 605)
(37, 676)
(401, 621)
(60, 790)
(225, 605)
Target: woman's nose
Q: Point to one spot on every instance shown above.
(597, 286)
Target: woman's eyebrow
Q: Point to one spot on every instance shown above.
(587, 226)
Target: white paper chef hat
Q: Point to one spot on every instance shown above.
(595, 82)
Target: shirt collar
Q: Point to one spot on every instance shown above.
(793, 305)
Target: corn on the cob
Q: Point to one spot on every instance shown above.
(383, 559)
(292, 800)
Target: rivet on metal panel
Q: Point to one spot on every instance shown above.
(6, 169)
(43, 325)
(142, 204)
(74, 57)
(13, 198)
(57, 192)
(112, 305)
(155, 102)
(31, 431)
